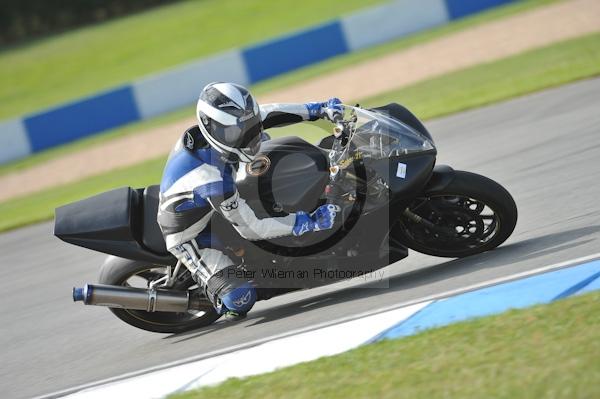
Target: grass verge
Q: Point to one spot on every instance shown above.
(548, 351)
(39, 207)
(334, 64)
(63, 67)
(371, 53)
(484, 84)
(514, 76)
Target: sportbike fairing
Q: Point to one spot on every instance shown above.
(374, 135)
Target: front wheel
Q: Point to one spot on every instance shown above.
(473, 214)
(129, 273)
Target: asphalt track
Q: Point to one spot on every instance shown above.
(544, 148)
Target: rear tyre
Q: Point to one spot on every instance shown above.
(473, 214)
(125, 272)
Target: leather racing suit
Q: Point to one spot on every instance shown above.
(196, 183)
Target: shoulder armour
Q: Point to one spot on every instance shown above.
(193, 140)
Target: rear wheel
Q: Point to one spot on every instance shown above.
(128, 273)
(473, 214)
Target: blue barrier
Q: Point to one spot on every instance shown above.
(82, 118)
(177, 87)
(460, 8)
(273, 58)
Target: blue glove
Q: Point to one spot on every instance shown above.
(321, 219)
(331, 109)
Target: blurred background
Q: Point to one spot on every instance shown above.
(93, 95)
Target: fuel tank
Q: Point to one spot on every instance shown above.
(288, 175)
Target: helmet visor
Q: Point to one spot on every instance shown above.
(244, 134)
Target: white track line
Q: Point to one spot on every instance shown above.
(445, 294)
(260, 359)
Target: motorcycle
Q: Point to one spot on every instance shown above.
(379, 168)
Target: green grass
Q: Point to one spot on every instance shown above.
(334, 64)
(369, 54)
(63, 67)
(40, 207)
(35, 208)
(521, 74)
(484, 84)
(548, 351)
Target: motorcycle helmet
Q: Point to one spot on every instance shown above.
(229, 119)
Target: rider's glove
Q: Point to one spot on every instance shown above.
(331, 109)
(320, 219)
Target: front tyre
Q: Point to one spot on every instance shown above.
(129, 273)
(472, 214)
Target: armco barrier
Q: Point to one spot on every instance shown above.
(81, 118)
(392, 20)
(178, 87)
(285, 54)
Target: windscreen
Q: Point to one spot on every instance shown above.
(375, 135)
(379, 136)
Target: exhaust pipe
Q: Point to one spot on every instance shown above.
(115, 296)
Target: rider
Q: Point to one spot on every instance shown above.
(199, 179)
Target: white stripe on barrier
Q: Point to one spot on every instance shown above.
(259, 359)
(14, 142)
(180, 86)
(392, 20)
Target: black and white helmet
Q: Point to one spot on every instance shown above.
(229, 119)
